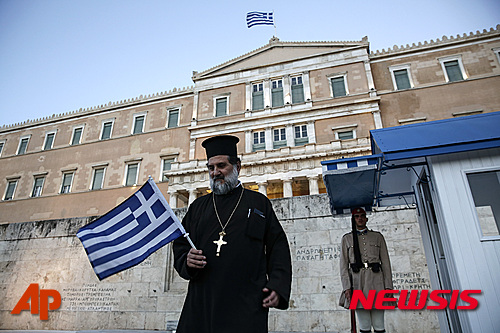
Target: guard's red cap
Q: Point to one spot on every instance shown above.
(358, 210)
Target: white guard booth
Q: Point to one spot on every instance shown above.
(450, 170)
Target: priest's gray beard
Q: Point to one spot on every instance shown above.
(230, 182)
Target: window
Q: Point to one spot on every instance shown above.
(497, 53)
(166, 166)
(138, 124)
(257, 96)
(132, 173)
(279, 138)
(23, 145)
(301, 135)
(173, 118)
(2, 144)
(77, 136)
(485, 187)
(402, 80)
(107, 128)
(37, 186)
(67, 181)
(453, 69)
(259, 140)
(277, 93)
(338, 86)
(401, 77)
(11, 188)
(98, 178)
(49, 140)
(345, 132)
(221, 106)
(345, 135)
(297, 90)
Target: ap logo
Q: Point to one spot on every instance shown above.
(39, 301)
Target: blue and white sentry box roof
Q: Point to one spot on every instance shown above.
(385, 178)
(349, 182)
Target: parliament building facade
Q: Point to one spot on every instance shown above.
(292, 105)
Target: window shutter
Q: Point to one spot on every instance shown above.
(257, 100)
(453, 70)
(131, 174)
(106, 131)
(402, 79)
(173, 118)
(77, 134)
(297, 93)
(338, 87)
(221, 107)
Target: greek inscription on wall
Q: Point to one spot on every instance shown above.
(317, 253)
(410, 281)
(90, 297)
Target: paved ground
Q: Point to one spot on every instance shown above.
(103, 331)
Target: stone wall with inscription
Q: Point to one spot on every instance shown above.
(150, 295)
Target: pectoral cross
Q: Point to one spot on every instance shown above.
(220, 242)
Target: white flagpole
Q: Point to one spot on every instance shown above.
(190, 241)
(165, 203)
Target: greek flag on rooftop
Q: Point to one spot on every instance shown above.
(256, 18)
(130, 232)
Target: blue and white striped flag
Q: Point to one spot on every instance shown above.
(256, 18)
(130, 232)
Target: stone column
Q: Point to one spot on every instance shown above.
(192, 148)
(307, 86)
(287, 90)
(311, 133)
(248, 97)
(287, 188)
(377, 119)
(269, 139)
(192, 195)
(313, 185)
(195, 106)
(173, 199)
(262, 187)
(267, 93)
(290, 136)
(248, 141)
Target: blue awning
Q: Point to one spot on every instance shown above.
(437, 137)
(386, 178)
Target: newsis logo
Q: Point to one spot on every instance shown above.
(39, 301)
(414, 299)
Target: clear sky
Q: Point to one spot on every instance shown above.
(58, 56)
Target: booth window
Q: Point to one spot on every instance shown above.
(485, 187)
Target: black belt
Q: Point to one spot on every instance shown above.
(375, 266)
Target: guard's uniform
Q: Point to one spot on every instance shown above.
(373, 250)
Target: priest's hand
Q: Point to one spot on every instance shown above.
(196, 259)
(272, 300)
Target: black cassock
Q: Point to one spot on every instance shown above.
(226, 295)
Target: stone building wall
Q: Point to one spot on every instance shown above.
(150, 295)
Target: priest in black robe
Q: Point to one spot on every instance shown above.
(241, 266)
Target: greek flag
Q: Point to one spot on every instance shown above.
(256, 18)
(130, 232)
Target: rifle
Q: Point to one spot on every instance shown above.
(353, 318)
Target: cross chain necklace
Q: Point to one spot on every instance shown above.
(221, 242)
